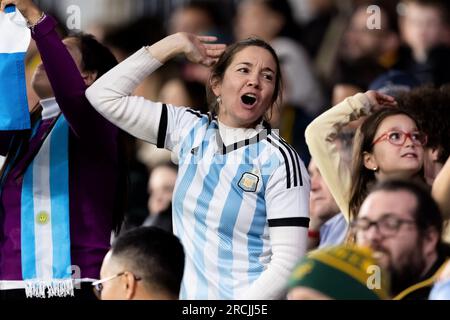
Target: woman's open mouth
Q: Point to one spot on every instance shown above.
(248, 99)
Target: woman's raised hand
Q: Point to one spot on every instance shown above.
(27, 8)
(199, 49)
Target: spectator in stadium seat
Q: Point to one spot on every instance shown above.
(402, 223)
(63, 181)
(327, 226)
(160, 189)
(382, 147)
(242, 193)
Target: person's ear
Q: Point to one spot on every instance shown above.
(216, 86)
(89, 77)
(369, 161)
(430, 240)
(435, 154)
(130, 285)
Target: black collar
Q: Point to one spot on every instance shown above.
(223, 149)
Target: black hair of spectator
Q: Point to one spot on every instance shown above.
(431, 109)
(94, 55)
(154, 255)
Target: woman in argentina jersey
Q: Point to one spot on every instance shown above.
(240, 205)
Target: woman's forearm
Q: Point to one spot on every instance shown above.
(111, 96)
(320, 138)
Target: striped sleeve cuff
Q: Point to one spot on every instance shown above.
(162, 130)
(289, 222)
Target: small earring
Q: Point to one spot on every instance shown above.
(375, 168)
(219, 99)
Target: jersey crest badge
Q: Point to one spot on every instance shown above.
(248, 182)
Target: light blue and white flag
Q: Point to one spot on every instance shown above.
(14, 40)
(45, 225)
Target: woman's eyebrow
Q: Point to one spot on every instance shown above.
(249, 64)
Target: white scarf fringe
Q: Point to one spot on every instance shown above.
(48, 289)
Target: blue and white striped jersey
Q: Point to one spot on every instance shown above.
(226, 198)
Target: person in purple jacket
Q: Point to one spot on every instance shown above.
(60, 195)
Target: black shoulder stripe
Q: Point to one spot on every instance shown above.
(162, 128)
(296, 162)
(286, 162)
(292, 156)
(195, 113)
(289, 222)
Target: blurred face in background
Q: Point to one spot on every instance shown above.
(422, 27)
(361, 42)
(255, 19)
(160, 187)
(321, 203)
(174, 92)
(192, 20)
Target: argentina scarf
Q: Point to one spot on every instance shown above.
(45, 231)
(14, 41)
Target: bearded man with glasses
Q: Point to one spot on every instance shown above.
(401, 222)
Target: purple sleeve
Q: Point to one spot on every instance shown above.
(69, 87)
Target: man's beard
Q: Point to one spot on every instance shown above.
(410, 272)
(407, 276)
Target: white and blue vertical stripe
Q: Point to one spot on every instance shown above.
(14, 40)
(45, 229)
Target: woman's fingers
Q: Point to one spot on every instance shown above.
(4, 3)
(216, 52)
(207, 38)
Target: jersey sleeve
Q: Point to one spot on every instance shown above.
(287, 194)
(176, 125)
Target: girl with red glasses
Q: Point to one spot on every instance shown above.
(389, 144)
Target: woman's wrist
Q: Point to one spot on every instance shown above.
(33, 15)
(167, 48)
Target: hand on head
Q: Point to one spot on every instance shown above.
(199, 49)
(380, 100)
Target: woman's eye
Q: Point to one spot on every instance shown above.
(268, 77)
(244, 70)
